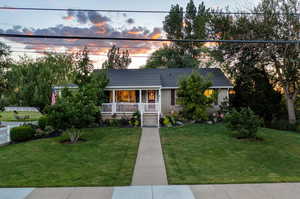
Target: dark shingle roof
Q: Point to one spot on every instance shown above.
(162, 77)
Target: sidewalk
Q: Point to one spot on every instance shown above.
(150, 167)
(229, 191)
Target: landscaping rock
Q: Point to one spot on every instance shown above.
(179, 123)
(209, 122)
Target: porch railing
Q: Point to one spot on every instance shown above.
(130, 107)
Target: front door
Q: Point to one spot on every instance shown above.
(151, 96)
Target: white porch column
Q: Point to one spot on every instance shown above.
(141, 107)
(159, 99)
(114, 108)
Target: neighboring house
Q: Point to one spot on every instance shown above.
(153, 91)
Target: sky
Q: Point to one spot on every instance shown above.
(138, 25)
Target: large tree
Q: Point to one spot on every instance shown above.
(4, 62)
(168, 57)
(278, 21)
(31, 81)
(117, 59)
(191, 25)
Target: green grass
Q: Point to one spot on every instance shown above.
(106, 158)
(204, 154)
(9, 116)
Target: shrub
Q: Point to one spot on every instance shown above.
(44, 132)
(73, 134)
(191, 95)
(245, 123)
(43, 121)
(22, 133)
(136, 119)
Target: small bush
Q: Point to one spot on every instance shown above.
(171, 120)
(22, 133)
(44, 132)
(73, 134)
(245, 123)
(136, 119)
(43, 121)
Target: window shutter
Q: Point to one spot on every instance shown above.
(172, 97)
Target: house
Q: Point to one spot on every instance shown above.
(152, 92)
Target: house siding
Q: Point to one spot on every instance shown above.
(166, 101)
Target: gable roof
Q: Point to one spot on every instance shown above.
(165, 78)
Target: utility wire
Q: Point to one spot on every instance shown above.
(149, 39)
(92, 53)
(128, 11)
(69, 44)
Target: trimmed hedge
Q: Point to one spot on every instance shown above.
(22, 133)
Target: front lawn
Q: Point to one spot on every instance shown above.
(106, 158)
(9, 116)
(203, 154)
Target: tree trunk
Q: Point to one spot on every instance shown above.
(290, 103)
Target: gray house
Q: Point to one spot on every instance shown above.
(153, 91)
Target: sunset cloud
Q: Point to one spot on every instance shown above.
(100, 27)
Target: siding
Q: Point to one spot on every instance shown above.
(166, 101)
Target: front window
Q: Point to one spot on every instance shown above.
(151, 96)
(130, 96)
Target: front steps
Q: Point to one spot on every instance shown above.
(150, 120)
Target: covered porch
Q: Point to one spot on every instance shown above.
(126, 101)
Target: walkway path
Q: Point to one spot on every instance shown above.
(150, 167)
(228, 191)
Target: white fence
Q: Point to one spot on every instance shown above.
(13, 108)
(130, 107)
(4, 135)
(5, 131)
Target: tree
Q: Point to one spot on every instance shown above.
(167, 57)
(191, 25)
(83, 67)
(177, 25)
(254, 90)
(117, 59)
(80, 109)
(4, 62)
(191, 96)
(31, 81)
(280, 61)
(284, 59)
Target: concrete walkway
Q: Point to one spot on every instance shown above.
(150, 167)
(229, 191)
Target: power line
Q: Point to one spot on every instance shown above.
(150, 40)
(54, 52)
(72, 45)
(92, 10)
(127, 11)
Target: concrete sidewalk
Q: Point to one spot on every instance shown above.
(228, 191)
(150, 167)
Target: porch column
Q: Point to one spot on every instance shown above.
(114, 102)
(159, 99)
(141, 108)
